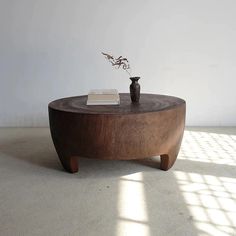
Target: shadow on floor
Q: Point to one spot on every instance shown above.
(37, 148)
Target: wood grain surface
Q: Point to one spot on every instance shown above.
(153, 127)
(148, 103)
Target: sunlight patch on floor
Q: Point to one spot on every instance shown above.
(211, 201)
(133, 218)
(209, 147)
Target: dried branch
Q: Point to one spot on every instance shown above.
(118, 62)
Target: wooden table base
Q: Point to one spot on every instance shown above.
(153, 127)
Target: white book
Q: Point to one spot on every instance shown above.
(103, 91)
(102, 103)
(103, 97)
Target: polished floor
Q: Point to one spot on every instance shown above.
(197, 196)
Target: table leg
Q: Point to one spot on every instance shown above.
(168, 160)
(169, 157)
(70, 163)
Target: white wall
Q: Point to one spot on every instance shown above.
(51, 49)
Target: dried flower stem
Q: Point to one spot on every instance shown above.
(118, 62)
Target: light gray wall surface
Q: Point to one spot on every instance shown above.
(51, 49)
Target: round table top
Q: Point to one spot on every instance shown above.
(147, 103)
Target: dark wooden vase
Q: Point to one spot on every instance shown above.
(134, 89)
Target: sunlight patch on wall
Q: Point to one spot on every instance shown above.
(133, 218)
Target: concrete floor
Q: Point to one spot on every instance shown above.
(115, 198)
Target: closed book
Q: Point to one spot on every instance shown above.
(100, 97)
(103, 91)
(103, 97)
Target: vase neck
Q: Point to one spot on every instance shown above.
(134, 79)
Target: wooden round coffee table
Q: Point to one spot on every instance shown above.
(154, 126)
